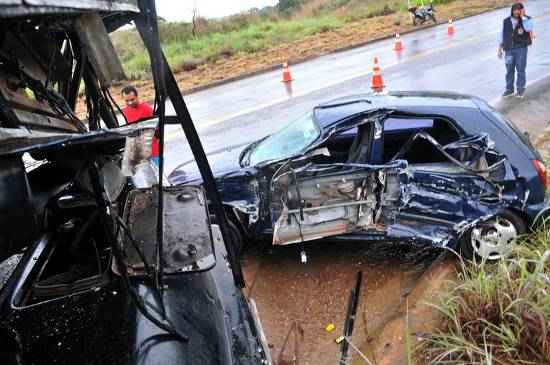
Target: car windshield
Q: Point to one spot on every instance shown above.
(290, 140)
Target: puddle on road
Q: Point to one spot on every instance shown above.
(315, 294)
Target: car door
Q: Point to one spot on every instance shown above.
(322, 200)
(312, 200)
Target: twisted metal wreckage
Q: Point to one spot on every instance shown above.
(313, 201)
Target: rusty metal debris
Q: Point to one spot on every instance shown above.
(298, 332)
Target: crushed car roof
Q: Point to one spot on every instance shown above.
(424, 102)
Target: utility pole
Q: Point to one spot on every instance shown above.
(194, 19)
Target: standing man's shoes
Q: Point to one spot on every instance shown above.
(521, 94)
(508, 93)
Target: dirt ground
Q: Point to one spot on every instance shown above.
(315, 294)
(353, 34)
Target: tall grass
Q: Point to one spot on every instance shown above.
(498, 313)
(249, 39)
(215, 45)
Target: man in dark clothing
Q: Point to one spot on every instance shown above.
(135, 110)
(516, 37)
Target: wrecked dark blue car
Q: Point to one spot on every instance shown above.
(441, 168)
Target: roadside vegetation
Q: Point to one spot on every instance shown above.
(497, 313)
(189, 45)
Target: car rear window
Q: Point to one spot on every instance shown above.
(400, 125)
(407, 124)
(522, 136)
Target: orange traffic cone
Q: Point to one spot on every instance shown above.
(287, 77)
(377, 81)
(450, 27)
(398, 44)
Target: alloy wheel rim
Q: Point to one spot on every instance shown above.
(494, 240)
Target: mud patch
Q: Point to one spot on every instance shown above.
(311, 296)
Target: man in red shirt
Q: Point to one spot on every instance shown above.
(135, 110)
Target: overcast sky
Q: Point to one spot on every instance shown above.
(182, 9)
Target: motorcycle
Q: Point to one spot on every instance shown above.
(422, 14)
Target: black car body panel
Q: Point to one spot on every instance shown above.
(99, 323)
(440, 196)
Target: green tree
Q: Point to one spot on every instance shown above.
(286, 6)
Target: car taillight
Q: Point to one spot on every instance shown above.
(541, 171)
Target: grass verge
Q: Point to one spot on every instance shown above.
(497, 313)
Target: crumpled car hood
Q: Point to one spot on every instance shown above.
(221, 162)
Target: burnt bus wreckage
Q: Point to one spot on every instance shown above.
(99, 262)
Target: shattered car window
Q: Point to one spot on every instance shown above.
(290, 140)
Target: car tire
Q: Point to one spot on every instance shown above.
(236, 237)
(494, 239)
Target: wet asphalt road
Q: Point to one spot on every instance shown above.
(246, 110)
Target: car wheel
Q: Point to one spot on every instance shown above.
(494, 239)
